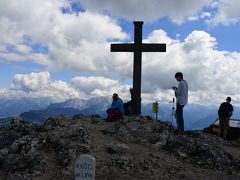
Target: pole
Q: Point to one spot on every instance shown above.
(157, 110)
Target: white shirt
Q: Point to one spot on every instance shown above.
(182, 93)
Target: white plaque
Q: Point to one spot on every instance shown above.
(85, 167)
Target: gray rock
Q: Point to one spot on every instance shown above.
(58, 121)
(14, 147)
(63, 157)
(78, 117)
(7, 137)
(96, 120)
(120, 148)
(202, 149)
(4, 151)
(109, 131)
(133, 126)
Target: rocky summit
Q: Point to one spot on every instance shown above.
(132, 148)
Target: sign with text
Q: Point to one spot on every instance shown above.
(85, 167)
(155, 107)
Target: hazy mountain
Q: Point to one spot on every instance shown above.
(96, 105)
(83, 104)
(70, 108)
(13, 107)
(71, 103)
(209, 115)
(195, 116)
(40, 116)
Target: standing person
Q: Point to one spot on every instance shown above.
(116, 109)
(181, 93)
(225, 112)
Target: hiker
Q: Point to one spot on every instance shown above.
(181, 93)
(225, 112)
(116, 110)
(128, 105)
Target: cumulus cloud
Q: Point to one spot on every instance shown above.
(149, 10)
(39, 85)
(31, 82)
(212, 74)
(100, 86)
(73, 41)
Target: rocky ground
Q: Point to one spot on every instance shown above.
(133, 148)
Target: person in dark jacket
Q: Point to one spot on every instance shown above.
(128, 105)
(225, 112)
(116, 110)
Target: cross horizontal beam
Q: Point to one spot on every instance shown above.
(138, 47)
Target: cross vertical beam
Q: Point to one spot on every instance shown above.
(137, 69)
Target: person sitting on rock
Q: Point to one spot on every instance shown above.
(225, 112)
(116, 110)
(128, 105)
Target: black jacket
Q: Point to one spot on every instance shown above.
(225, 110)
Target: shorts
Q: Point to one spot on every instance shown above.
(223, 123)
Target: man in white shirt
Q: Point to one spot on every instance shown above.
(181, 93)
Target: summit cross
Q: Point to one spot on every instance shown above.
(137, 48)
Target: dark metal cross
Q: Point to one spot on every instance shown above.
(137, 47)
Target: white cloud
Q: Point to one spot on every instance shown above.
(222, 11)
(212, 74)
(193, 18)
(149, 10)
(204, 15)
(40, 85)
(31, 82)
(74, 42)
(100, 86)
(227, 12)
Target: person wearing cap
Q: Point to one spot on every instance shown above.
(116, 110)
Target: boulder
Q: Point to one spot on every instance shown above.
(120, 148)
(58, 121)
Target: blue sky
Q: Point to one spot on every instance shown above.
(67, 43)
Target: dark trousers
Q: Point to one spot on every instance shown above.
(179, 117)
(113, 113)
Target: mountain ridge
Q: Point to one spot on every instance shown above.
(196, 116)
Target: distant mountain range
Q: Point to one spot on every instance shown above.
(13, 107)
(38, 110)
(70, 107)
(195, 116)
